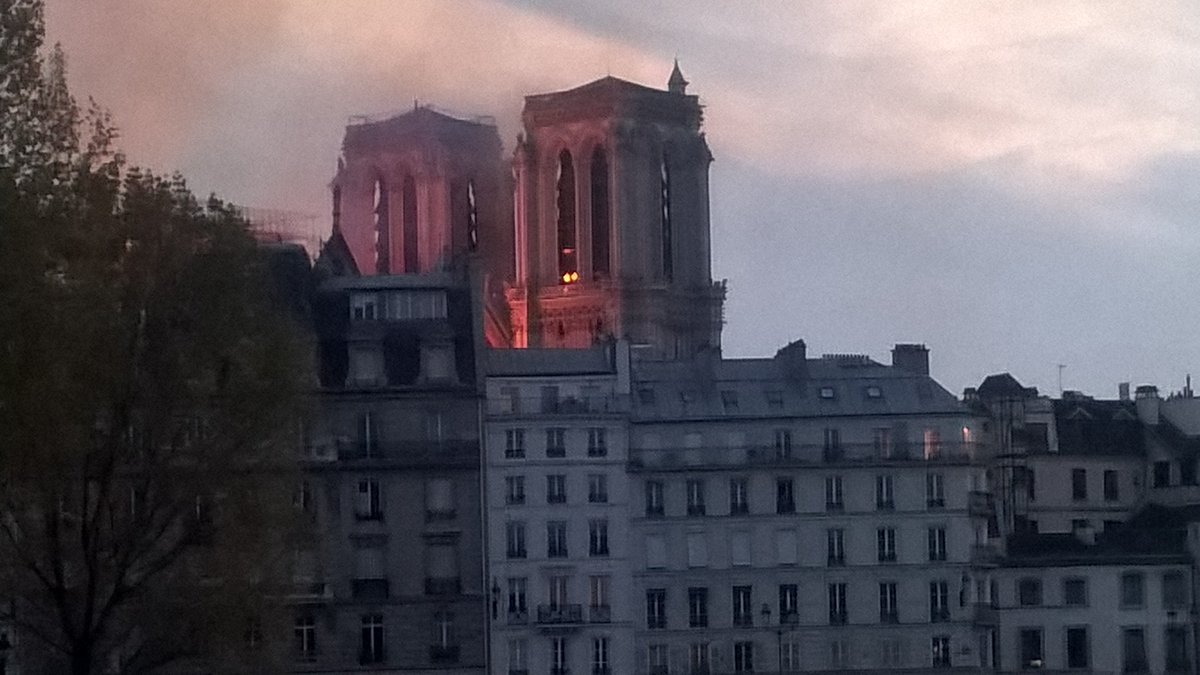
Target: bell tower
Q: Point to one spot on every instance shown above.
(612, 220)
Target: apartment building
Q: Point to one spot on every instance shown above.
(796, 514)
(557, 505)
(393, 579)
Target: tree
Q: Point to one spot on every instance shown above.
(149, 392)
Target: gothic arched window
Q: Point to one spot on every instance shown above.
(568, 265)
(600, 213)
(668, 262)
(410, 226)
(382, 240)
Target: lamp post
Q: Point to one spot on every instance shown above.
(779, 637)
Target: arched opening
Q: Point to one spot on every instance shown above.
(472, 218)
(382, 241)
(411, 259)
(568, 264)
(668, 262)
(600, 214)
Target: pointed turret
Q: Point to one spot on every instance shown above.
(677, 85)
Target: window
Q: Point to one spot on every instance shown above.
(940, 648)
(888, 613)
(518, 656)
(698, 658)
(518, 609)
(789, 603)
(743, 607)
(785, 498)
(1112, 486)
(556, 489)
(558, 655)
(1078, 648)
(1133, 591)
(597, 442)
(839, 654)
(656, 608)
(1079, 484)
(837, 604)
(743, 657)
(409, 212)
(556, 539)
(933, 443)
(306, 637)
(1174, 590)
(1029, 592)
(1031, 648)
(832, 442)
(774, 399)
(514, 490)
(1162, 474)
(1187, 471)
(363, 306)
(556, 442)
(884, 497)
(939, 601)
(1075, 592)
(568, 264)
(729, 400)
(737, 497)
(368, 506)
(789, 656)
(885, 540)
(783, 443)
(371, 649)
(937, 544)
(558, 587)
(695, 497)
(659, 658)
(597, 488)
(698, 607)
(667, 250)
(601, 205)
(1133, 650)
(827, 393)
(514, 533)
(835, 539)
(600, 656)
(654, 498)
(443, 630)
(598, 538)
(1177, 656)
(598, 598)
(881, 439)
(514, 443)
(935, 490)
(833, 493)
(890, 653)
(1030, 485)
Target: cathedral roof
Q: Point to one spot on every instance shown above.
(423, 120)
(612, 97)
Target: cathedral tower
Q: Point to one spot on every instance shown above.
(611, 220)
(415, 190)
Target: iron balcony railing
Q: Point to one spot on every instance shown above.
(845, 454)
(559, 614)
(593, 404)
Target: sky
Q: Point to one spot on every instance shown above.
(1015, 184)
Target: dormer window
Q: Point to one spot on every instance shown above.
(828, 393)
(874, 391)
(362, 307)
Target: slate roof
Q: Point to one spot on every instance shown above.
(705, 390)
(1003, 385)
(1090, 427)
(534, 362)
(1154, 534)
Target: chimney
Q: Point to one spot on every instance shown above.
(1147, 402)
(1123, 391)
(793, 358)
(911, 357)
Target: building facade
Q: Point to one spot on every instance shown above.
(557, 504)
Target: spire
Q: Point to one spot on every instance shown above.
(677, 85)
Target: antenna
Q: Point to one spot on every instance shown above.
(1061, 368)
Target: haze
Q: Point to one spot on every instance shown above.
(1015, 184)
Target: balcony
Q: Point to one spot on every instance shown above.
(939, 615)
(443, 586)
(789, 618)
(835, 507)
(559, 614)
(887, 557)
(600, 614)
(837, 618)
(889, 616)
(980, 505)
(836, 561)
(369, 589)
(802, 455)
(443, 653)
(518, 617)
(564, 405)
(556, 498)
(743, 620)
